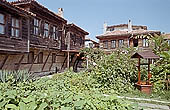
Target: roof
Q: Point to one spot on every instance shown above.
(121, 25)
(126, 33)
(78, 28)
(88, 39)
(21, 2)
(146, 55)
(19, 10)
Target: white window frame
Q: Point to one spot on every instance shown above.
(46, 29)
(113, 44)
(15, 28)
(55, 32)
(36, 25)
(121, 43)
(145, 42)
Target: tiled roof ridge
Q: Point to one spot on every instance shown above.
(22, 1)
(74, 25)
(29, 1)
(21, 9)
(125, 25)
(119, 32)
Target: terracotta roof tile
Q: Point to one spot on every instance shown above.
(34, 1)
(17, 8)
(126, 33)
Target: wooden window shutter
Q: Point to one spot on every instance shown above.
(42, 27)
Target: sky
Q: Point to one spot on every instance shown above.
(91, 14)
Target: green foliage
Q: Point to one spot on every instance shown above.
(161, 67)
(67, 91)
(116, 70)
(159, 44)
(160, 70)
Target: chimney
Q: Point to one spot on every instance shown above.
(60, 12)
(129, 26)
(104, 27)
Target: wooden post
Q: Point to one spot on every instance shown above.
(139, 76)
(149, 74)
(68, 59)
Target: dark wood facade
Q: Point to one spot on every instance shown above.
(34, 38)
(46, 27)
(76, 37)
(13, 29)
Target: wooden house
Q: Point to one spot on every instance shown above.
(14, 35)
(127, 35)
(34, 38)
(75, 41)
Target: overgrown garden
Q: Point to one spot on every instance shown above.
(95, 88)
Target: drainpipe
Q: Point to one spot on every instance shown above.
(28, 42)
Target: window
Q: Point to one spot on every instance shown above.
(40, 57)
(36, 26)
(55, 33)
(145, 42)
(121, 42)
(105, 44)
(15, 27)
(135, 42)
(46, 30)
(53, 58)
(31, 57)
(113, 44)
(2, 24)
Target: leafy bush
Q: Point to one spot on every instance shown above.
(67, 91)
(160, 70)
(116, 70)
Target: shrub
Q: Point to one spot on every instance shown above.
(68, 91)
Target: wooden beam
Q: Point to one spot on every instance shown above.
(52, 62)
(34, 61)
(46, 61)
(4, 61)
(64, 63)
(19, 63)
(149, 74)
